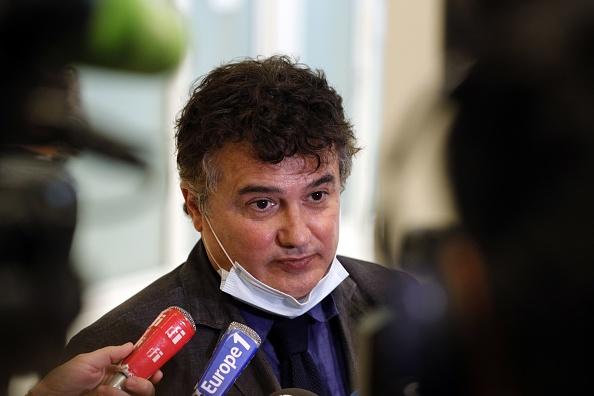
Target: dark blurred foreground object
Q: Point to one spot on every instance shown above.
(42, 124)
(521, 163)
(39, 37)
(39, 292)
(518, 277)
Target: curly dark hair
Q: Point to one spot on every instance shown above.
(279, 107)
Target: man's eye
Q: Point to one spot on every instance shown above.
(318, 195)
(262, 204)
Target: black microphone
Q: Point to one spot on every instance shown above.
(236, 348)
(136, 36)
(130, 35)
(292, 392)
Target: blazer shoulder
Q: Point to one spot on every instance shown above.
(127, 321)
(381, 283)
(367, 271)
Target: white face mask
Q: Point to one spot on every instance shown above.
(242, 285)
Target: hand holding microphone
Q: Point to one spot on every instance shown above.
(88, 371)
(235, 350)
(169, 332)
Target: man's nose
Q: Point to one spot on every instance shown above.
(294, 228)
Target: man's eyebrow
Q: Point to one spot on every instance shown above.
(251, 188)
(329, 178)
(254, 188)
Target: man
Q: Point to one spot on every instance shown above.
(264, 152)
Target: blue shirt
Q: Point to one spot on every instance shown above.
(323, 345)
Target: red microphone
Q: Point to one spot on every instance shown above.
(169, 332)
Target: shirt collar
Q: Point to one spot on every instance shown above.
(261, 321)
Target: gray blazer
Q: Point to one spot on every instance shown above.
(194, 286)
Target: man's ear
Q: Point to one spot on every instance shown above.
(192, 207)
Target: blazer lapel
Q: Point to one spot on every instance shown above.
(348, 314)
(257, 375)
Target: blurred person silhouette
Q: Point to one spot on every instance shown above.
(520, 158)
(42, 125)
(517, 273)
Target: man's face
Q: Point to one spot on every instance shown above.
(280, 222)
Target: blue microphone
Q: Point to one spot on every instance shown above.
(236, 348)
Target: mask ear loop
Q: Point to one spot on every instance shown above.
(212, 257)
(220, 244)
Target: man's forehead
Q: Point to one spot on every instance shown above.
(304, 162)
